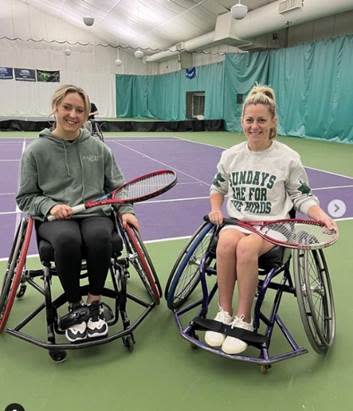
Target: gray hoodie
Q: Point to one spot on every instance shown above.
(55, 171)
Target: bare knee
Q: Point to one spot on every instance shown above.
(246, 254)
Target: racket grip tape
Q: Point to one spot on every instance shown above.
(75, 210)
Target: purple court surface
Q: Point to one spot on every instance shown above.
(176, 213)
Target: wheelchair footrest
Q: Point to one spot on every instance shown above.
(252, 338)
(74, 317)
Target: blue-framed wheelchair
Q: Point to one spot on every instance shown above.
(130, 267)
(191, 288)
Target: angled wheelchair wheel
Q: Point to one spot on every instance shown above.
(142, 263)
(315, 298)
(185, 274)
(96, 131)
(14, 271)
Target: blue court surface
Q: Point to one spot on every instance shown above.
(176, 213)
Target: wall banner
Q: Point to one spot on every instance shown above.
(23, 74)
(48, 76)
(6, 73)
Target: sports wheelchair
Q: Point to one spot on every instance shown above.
(192, 285)
(96, 130)
(129, 257)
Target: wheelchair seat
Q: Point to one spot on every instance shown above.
(46, 251)
(274, 258)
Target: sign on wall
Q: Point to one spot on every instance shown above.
(24, 74)
(6, 73)
(48, 76)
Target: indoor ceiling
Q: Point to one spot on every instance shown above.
(152, 25)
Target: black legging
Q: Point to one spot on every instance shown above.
(74, 239)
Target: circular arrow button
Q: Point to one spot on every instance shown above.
(336, 208)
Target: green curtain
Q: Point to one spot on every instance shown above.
(241, 72)
(313, 84)
(164, 96)
(132, 96)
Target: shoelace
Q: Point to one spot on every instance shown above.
(237, 321)
(222, 315)
(94, 312)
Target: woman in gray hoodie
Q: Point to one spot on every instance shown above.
(64, 167)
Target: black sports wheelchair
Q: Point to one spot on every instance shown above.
(129, 261)
(192, 285)
(94, 128)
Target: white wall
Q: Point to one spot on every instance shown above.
(32, 39)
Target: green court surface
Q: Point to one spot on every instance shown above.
(163, 373)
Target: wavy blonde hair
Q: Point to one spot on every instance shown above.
(262, 95)
(61, 92)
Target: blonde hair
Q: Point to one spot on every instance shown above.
(262, 95)
(66, 89)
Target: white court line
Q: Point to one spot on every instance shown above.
(328, 172)
(333, 187)
(149, 139)
(311, 168)
(198, 142)
(164, 164)
(3, 161)
(18, 211)
(173, 199)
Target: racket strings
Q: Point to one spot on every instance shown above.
(297, 233)
(145, 187)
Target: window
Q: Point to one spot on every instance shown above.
(195, 104)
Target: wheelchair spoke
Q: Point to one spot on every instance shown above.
(185, 274)
(315, 298)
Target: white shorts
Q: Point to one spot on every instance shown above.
(236, 227)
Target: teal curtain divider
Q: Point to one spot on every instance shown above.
(241, 72)
(164, 96)
(313, 85)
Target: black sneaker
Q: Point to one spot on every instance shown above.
(76, 332)
(96, 324)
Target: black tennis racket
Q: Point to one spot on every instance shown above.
(290, 233)
(139, 189)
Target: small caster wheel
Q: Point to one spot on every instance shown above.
(21, 291)
(58, 356)
(264, 368)
(129, 342)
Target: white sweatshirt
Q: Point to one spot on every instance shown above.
(263, 185)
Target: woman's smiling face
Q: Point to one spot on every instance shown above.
(70, 116)
(257, 124)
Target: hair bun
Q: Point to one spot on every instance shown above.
(267, 91)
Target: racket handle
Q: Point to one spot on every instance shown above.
(75, 210)
(78, 208)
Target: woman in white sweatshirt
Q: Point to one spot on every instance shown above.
(264, 180)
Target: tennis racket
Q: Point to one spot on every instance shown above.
(139, 189)
(291, 233)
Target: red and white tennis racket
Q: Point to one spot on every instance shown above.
(290, 233)
(139, 189)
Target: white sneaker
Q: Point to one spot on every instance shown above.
(233, 345)
(214, 339)
(96, 324)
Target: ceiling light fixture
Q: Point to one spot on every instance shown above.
(239, 11)
(139, 54)
(118, 62)
(89, 21)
